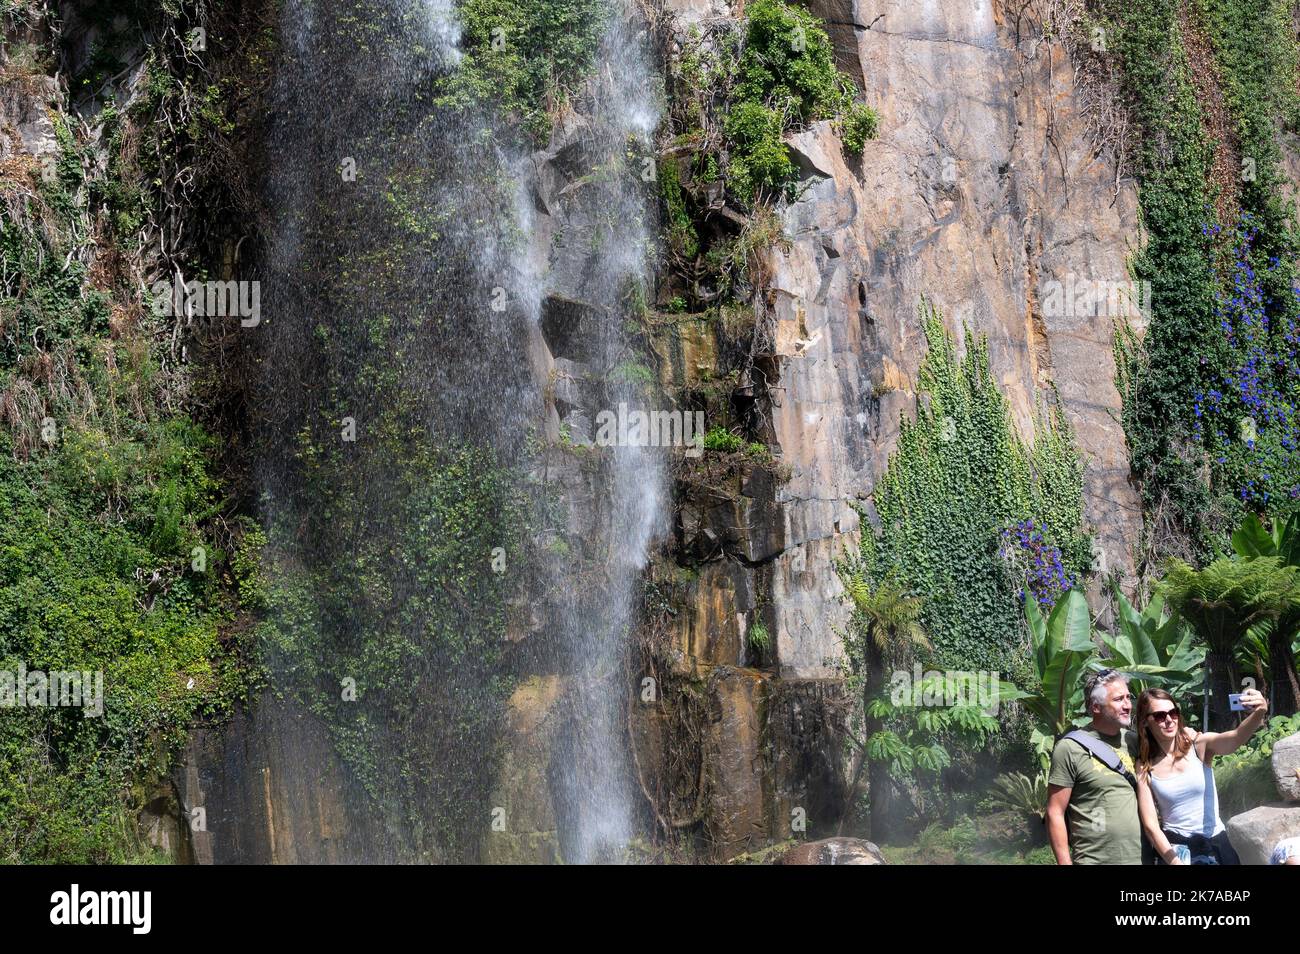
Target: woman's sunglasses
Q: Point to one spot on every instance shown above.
(1164, 716)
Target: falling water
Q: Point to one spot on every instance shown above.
(594, 787)
(408, 272)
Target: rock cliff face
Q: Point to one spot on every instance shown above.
(981, 191)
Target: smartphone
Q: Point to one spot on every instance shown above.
(1234, 702)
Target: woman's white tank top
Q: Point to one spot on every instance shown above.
(1188, 800)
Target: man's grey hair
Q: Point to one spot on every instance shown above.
(1095, 687)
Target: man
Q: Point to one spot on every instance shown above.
(1092, 812)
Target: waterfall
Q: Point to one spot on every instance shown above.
(405, 429)
(594, 790)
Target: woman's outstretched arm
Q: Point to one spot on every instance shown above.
(1224, 743)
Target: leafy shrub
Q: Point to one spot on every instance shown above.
(761, 162)
(527, 57)
(1022, 794)
(859, 124)
(682, 236)
(788, 63)
(786, 79)
(723, 441)
(82, 592)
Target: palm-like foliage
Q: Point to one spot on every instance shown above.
(1222, 602)
(885, 627)
(1273, 639)
(1061, 648)
(887, 621)
(1155, 648)
(1021, 793)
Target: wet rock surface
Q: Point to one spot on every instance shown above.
(834, 851)
(267, 787)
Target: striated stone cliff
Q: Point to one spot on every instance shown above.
(982, 188)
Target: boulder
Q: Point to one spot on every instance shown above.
(834, 851)
(1286, 768)
(1256, 833)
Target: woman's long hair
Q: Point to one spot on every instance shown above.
(1148, 746)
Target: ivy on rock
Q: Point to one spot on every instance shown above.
(961, 476)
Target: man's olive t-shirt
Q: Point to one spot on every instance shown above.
(1102, 817)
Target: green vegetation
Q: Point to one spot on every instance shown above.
(902, 739)
(959, 478)
(991, 839)
(1209, 392)
(857, 125)
(1022, 794)
(1273, 644)
(722, 440)
(1155, 648)
(681, 234)
(885, 632)
(107, 564)
(118, 553)
(399, 518)
(403, 601)
(1245, 778)
(526, 57)
(739, 94)
(785, 79)
(1062, 648)
(719, 440)
(633, 372)
(1222, 602)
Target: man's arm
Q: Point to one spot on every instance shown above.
(1057, 798)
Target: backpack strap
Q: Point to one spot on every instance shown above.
(1104, 753)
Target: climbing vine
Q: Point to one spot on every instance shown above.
(961, 476)
(1206, 408)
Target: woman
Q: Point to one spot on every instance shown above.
(1175, 778)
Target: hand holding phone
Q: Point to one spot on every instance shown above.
(1248, 700)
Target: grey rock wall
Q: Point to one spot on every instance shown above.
(981, 188)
